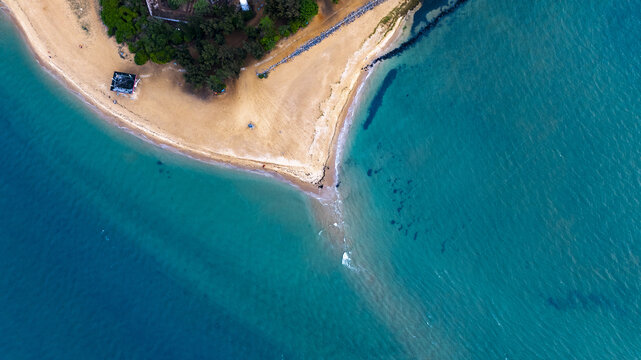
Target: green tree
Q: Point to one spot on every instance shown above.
(162, 57)
(254, 49)
(175, 4)
(268, 42)
(283, 9)
(141, 58)
(308, 9)
(201, 46)
(177, 37)
(267, 25)
(120, 20)
(215, 84)
(283, 31)
(201, 7)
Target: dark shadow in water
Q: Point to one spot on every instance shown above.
(588, 301)
(424, 31)
(378, 98)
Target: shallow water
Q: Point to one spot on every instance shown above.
(491, 188)
(113, 248)
(490, 192)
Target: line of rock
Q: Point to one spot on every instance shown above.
(315, 41)
(424, 31)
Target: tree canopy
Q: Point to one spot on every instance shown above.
(201, 46)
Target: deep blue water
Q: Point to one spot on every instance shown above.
(491, 195)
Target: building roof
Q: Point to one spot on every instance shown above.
(161, 10)
(123, 82)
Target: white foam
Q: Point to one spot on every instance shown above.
(347, 261)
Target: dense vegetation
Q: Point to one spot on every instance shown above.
(214, 44)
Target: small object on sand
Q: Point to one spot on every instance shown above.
(115, 102)
(80, 46)
(250, 125)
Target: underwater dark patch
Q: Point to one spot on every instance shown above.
(378, 98)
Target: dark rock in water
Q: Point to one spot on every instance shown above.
(393, 222)
(159, 163)
(338, 184)
(369, 172)
(415, 235)
(320, 186)
(423, 32)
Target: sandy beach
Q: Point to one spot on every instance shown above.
(297, 111)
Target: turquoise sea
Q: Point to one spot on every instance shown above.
(490, 196)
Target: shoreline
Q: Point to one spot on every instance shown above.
(330, 178)
(329, 209)
(279, 172)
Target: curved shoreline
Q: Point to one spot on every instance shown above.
(290, 172)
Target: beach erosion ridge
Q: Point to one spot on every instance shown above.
(297, 113)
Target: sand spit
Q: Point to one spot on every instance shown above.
(297, 112)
